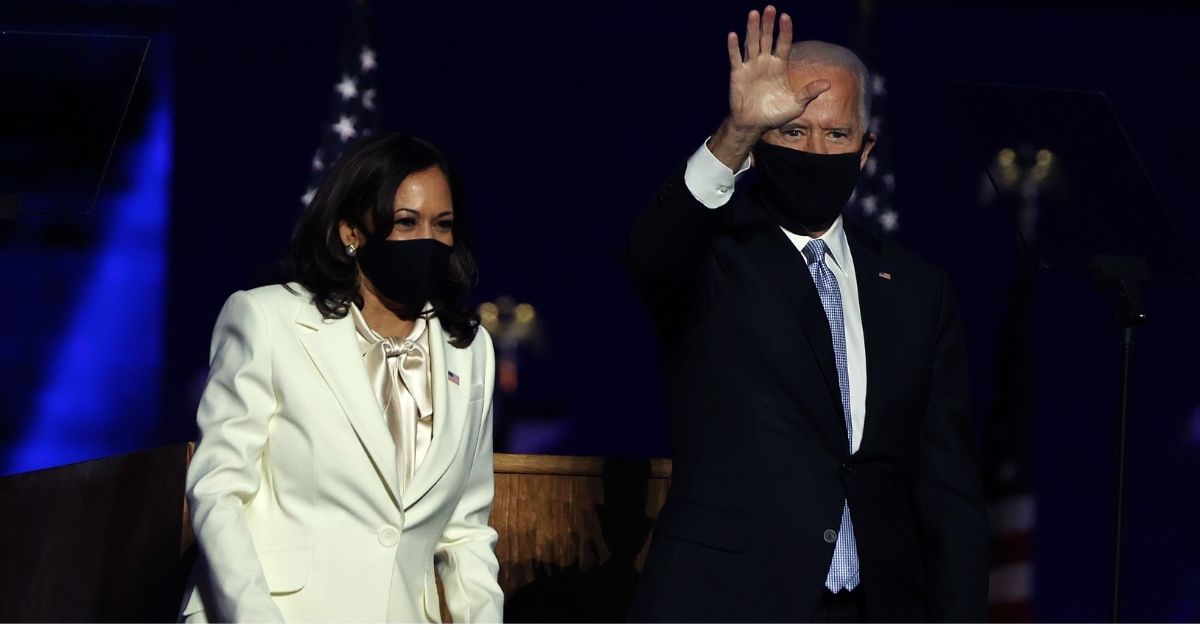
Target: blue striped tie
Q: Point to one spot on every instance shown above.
(843, 571)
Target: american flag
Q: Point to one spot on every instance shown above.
(870, 205)
(1008, 437)
(353, 111)
(1007, 445)
(1007, 470)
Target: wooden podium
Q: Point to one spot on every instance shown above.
(97, 542)
(109, 540)
(573, 533)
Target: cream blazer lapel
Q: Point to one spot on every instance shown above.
(332, 345)
(449, 411)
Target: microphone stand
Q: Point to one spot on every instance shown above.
(1126, 275)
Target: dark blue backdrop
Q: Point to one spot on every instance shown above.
(563, 121)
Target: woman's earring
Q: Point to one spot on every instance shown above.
(351, 250)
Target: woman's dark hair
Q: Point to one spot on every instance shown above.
(363, 184)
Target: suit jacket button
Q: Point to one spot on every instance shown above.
(388, 536)
(830, 536)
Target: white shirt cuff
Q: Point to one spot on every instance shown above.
(708, 179)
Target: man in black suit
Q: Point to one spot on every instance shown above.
(824, 464)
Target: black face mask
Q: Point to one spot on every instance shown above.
(804, 192)
(406, 272)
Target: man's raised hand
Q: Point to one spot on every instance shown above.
(760, 97)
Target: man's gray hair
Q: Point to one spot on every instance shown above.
(821, 53)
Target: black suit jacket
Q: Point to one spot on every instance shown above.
(761, 461)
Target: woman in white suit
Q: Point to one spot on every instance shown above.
(346, 426)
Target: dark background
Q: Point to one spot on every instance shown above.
(563, 121)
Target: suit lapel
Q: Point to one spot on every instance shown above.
(778, 259)
(867, 267)
(449, 412)
(333, 347)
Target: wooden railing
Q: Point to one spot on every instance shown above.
(104, 541)
(573, 533)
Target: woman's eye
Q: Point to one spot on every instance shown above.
(406, 221)
(446, 225)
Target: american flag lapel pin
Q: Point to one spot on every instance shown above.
(885, 275)
(452, 376)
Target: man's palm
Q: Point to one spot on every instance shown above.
(760, 96)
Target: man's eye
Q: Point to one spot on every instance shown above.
(792, 133)
(839, 135)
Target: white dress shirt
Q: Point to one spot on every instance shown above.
(711, 183)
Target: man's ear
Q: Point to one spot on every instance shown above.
(870, 141)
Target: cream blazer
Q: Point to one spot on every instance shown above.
(293, 485)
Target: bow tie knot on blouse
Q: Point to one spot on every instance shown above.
(391, 358)
(399, 373)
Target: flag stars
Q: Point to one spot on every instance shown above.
(367, 59)
(869, 204)
(889, 221)
(347, 87)
(877, 86)
(345, 128)
(354, 108)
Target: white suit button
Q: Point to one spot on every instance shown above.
(830, 536)
(388, 536)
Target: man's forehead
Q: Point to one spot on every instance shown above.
(834, 108)
(822, 119)
(809, 71)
